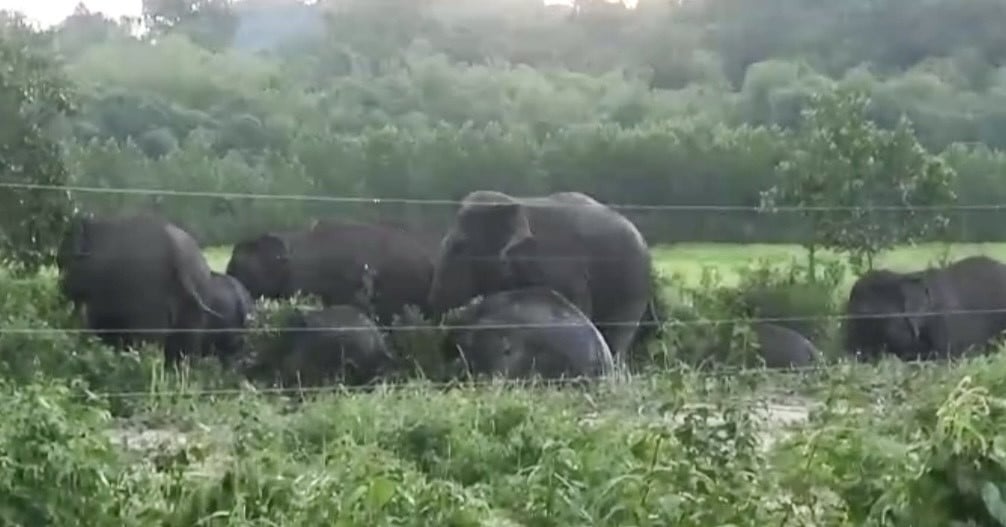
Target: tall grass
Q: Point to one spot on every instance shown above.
(94, 437)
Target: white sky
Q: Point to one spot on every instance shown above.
(49, 12)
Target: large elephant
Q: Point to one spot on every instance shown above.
(568, 242)
(781, 347)
(234, 305)
(332, 344)
(929, 314)
(525, 332)
(138, 278)
(339, 261)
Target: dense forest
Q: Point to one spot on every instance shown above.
(669, 103)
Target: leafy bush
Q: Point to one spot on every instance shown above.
(712, 323)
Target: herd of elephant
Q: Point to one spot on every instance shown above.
(552, 286)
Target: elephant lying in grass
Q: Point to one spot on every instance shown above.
(234, 304)
(781, 347)
(325, 346)
(523, 333)
(930, 314)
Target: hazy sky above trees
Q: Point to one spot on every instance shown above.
(49, 12)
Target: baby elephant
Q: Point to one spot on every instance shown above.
(337, 343)
(782, 347)
(525, 332)
(231, 301)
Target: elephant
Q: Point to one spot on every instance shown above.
(138, 278)
(936, 313)
(781, 347)
(234, 304)
(524, 332)
(339, 261)
(587, 252)
(318, 346)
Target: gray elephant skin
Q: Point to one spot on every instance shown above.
(569, 242)
(781, 347)
(137, 272)
(234, 305)
(339, 261)
(524, 333)
(323, 346)
(935, 313)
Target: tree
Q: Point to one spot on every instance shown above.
(33, 95)
(83, 29)
(862, 189)
(209, 23)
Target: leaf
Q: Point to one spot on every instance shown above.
(994, 503)
(380, 493)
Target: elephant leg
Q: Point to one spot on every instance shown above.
(109, 329)
(935, 339)
(186, 338)
(619, 329)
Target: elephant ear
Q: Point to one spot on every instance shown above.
(520, 239)
(79, 236)
(497, 226)
(273, 247)
(916, 300)
(915, 294)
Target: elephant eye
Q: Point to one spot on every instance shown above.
(458, 245)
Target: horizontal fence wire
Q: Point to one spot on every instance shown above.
(452, 202)
(420, 327)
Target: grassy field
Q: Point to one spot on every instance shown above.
(91, 437)
(689, 258)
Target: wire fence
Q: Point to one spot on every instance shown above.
(666, 323)
(454, 203)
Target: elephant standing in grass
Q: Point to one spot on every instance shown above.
(341, 262)
(781, 347)
(137, 272)
(234, 304)
(930, 314)
(587, 252)
(526, 332)
(328, 345)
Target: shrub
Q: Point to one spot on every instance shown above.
(712, 324)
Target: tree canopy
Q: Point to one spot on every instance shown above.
(671, 104)
(32, 95)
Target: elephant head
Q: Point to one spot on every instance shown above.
(262, 265)
(890, 308)
(490, 247)
(73, 249)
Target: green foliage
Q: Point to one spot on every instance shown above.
(679, 106)
(711, 322)
(211, 23)
(33, 94)
(886, 444)
(59, 466)
(692, 103)
(843, 170)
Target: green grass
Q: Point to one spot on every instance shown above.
(218, 257)
(689, 259)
